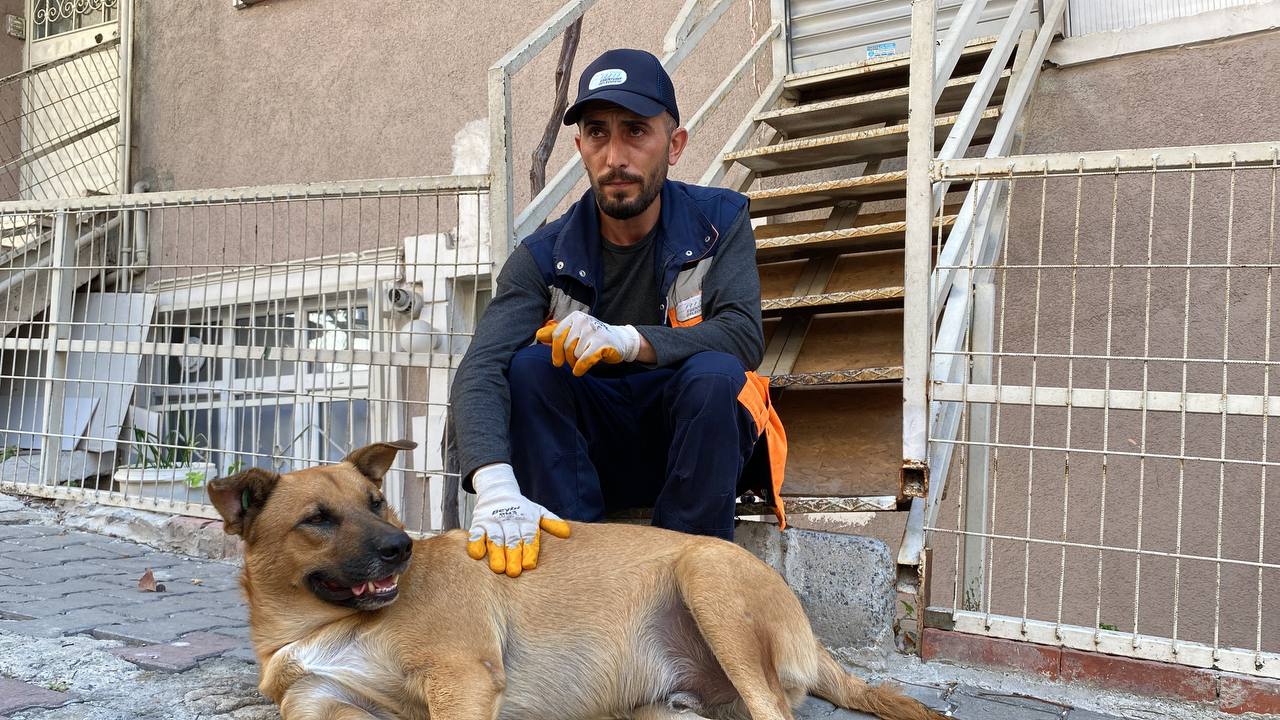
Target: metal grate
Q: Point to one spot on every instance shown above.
(1113, 472)
(153, 342)
(57, 17)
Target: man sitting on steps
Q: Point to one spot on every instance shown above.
(658, 280)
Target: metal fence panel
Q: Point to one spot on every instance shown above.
(1113, 476)
(153, 342)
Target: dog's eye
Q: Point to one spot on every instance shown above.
(319, 518)
(377, 504)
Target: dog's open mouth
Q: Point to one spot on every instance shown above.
(366, 595)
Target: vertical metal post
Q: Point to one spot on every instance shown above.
(126, 91)
(919, 218)
(976, 479)
(62, 287)
(501, 167)
(781, 43)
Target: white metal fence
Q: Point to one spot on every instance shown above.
(153, 342)
(1111, 480)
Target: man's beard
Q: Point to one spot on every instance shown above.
(622, 209)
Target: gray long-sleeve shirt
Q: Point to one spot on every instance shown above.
(481, 396)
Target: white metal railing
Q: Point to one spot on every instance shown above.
(151, 342)
(927, 290)
(694, 20)
(1113, 411)
(60, 126)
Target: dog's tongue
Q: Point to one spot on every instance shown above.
(358, 590)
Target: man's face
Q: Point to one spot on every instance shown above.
(626, 156)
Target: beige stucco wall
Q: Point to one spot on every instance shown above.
(1217, 93)
(315, 90)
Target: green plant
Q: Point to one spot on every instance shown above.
(1105, 626)
(7, 452)
(176, 449)
(235, 467)
(909, 610)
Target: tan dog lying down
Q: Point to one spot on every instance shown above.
(351, 619)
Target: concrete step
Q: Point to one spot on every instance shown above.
(882, 106)
(877, 74)
(847, 148)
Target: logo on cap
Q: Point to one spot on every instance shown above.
(604, 78)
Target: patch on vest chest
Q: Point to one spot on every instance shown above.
(689, 308)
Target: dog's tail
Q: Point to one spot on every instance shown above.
(848, 691)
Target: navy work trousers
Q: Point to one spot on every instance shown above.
(675, 439)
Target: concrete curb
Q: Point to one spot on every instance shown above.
(193, 537)
(844, 582)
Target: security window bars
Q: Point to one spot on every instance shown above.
(55, 17)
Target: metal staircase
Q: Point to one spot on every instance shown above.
(831, 267)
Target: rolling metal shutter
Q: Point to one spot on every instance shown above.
(825, 33)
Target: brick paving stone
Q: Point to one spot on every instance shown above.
(69, 587)
(118, 548)
(133, 565)
(179, 655)
(239, 632)
(244, 654)
(8, 532)
(163, 630)
(54, 606)
(18, 611)
(48, 575)
(45, 542)
(75, 622)
(16, 695)
(58, 556)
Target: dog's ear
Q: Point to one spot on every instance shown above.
(373, 461)
(240, 498)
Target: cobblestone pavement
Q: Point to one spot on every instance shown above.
(80, 641)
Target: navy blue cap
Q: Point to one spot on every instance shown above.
(634, 79)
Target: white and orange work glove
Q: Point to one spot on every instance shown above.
(582, 341)
(506, 523)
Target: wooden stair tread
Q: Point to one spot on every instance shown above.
(847, 148)
(810, 196)
(838, 299)
(867, 108)
(807, 196)
(855, 279)
(849, 376)
(864, 238)
(878, 73)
